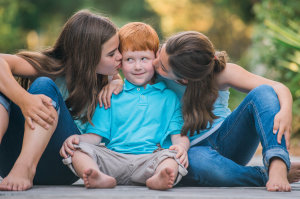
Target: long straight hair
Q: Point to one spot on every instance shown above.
(75, 55)
(192, 57)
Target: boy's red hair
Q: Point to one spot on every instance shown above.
(137, 36)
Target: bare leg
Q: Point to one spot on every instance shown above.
(294, 173)
(4, 121)
(278, 180)
(88, 170)
(35, 141)
(164, 176)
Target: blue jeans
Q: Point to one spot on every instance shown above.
(220, 159)
(50, 169)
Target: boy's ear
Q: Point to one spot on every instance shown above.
(183, 81)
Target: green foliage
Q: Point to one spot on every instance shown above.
(276, 46)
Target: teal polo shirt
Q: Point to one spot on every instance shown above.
(139, 119)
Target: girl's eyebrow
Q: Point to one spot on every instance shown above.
(112, 51)
(163, 67)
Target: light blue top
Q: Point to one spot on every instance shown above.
(62, 86)
(220, 108)
(139, 119)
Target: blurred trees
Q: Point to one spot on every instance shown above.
(22, 20)
(31, 24)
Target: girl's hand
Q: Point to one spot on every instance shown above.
(283, 125)
(115, 86)
(181, 154)
(68, 146)
(37, 108)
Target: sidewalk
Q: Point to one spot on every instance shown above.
(77, 190)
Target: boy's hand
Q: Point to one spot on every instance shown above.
(181, 154)
(68, 147)
(115, 86)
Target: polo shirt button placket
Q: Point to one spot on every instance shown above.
(138, 89)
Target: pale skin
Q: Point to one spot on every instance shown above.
(87, 169)
(40, 116)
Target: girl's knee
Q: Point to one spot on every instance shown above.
(46, 86)
(266, 97)
(263, 90)
(42, 85)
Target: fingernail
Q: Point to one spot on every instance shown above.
(274, 131)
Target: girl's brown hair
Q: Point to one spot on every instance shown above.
(192, 57)
(75, 55)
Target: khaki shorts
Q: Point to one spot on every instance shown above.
(127, 169)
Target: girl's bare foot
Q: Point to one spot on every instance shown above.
(162, 180)
(278, 176)
(95, 179)
(294, 173)
(19, 179)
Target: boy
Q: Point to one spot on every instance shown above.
(142, 118)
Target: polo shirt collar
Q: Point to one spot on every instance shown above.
(159, 85)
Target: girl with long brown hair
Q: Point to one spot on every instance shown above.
(56, 106)
(223, 142)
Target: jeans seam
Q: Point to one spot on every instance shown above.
(232, 126)
(260, 125)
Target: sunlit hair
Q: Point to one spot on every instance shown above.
(137, 36)
(192, 57)
(75, 55)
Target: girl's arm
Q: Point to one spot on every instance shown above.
(34, 107)
(242, 80)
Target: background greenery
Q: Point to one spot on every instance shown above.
(260, 35)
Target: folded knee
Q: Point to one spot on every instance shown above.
(265, 96)
(43, 85)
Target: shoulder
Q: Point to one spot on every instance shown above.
(224, 77)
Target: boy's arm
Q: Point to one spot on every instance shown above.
(181, 140)
(90, 138)
(181, 144)
(68, 148)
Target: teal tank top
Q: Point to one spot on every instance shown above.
(62, 86)
(220, 108)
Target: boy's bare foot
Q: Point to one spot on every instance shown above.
(278, 176)
(19, 179)
(95, 179)
(162, 180)
(294, 173)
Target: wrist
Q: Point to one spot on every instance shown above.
(183, 146)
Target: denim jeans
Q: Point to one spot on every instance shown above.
(50, 169)
(220, 159)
